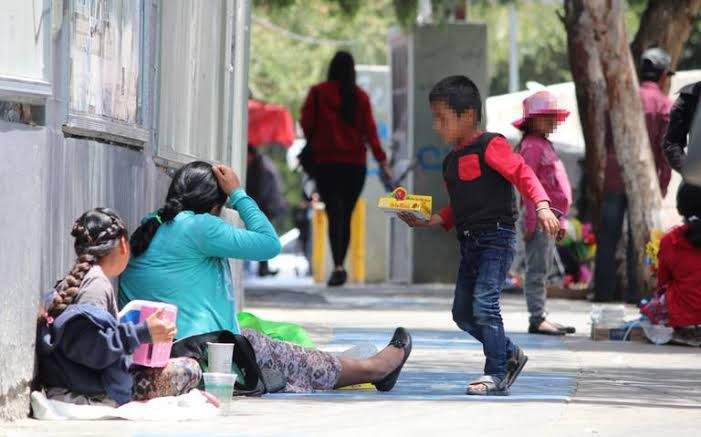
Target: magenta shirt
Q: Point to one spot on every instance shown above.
(540, 155)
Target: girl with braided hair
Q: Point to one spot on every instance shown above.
(83, 350)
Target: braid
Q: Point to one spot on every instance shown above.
(69, 287)
(96, 233)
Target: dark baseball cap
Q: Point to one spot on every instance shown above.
(656, 60)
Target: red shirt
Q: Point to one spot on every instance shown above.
(656, 106)
(680, 273)
(501, 157)
(334, 141)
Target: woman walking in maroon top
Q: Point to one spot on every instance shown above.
(337, 120)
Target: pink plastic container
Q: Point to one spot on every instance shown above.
(136, 311)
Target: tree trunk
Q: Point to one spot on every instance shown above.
(592, 102)
(667, 24)
(629, 132)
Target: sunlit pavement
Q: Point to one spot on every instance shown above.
(570, 387)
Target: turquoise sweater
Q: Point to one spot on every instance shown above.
(186, 264)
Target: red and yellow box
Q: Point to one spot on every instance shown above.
(400, 201)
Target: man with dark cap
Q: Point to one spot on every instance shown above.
(655, 72)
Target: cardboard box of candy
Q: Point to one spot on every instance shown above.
(137, 311)
(401, 201)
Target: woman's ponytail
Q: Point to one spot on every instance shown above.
(693, 233)
(142, 236)
(689, 206)
(194, 188)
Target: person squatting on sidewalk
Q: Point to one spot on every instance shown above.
(541, 117)
(480, 173)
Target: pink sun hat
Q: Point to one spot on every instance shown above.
(540, 103)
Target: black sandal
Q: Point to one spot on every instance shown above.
(514, 366)
(402, 340)
(535, 329)
(563, 328)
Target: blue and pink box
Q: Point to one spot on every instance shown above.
(136, 311)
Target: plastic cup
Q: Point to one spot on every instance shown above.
(220, 356)
(221, 385)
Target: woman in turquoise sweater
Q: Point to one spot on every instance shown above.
(180, 256)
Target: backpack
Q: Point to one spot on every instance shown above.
(306, 156)
(256, 381)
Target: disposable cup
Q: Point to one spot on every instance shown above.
(219, 357)
(221, 385)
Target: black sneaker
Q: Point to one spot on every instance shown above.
(338, 278)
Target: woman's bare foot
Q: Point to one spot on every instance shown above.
(547, 326)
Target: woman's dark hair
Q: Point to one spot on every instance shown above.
(194, 188)
(689, 206)
(342, 70)
(97, 232)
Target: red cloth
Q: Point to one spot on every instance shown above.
(656, 106)
(680, 273)
(501, 157)
(333, 140)
(540, 155)
(269, 124)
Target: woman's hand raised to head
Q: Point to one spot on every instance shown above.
(227, 178)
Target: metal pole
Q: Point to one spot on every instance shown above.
(242, 31)
(513, 49)
(239, 115)
(425, 12)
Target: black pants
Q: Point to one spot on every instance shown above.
(340, 186)
(613, 210)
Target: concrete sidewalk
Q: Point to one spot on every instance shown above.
(570, 387)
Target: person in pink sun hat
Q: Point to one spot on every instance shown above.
(541, 116)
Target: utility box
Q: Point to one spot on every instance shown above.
(418, 61)
(375, 81)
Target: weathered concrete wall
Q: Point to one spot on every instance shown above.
(21, 221)
(86, 174)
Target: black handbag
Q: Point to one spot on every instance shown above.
(256, 381)
(306, 155)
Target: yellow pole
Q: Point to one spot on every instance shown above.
(319, 232)
(357, 245)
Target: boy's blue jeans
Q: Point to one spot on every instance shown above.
(485, 260)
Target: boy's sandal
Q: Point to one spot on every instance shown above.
(487, 385)
(514, 366)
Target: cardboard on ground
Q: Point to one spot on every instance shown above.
(420, 206)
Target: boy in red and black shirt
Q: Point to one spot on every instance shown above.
(480, 173)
